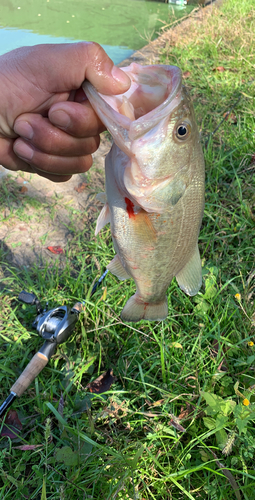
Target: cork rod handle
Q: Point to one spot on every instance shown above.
(34, 367)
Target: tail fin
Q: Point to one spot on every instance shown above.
(136, 309)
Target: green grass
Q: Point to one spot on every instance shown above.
(193, 370)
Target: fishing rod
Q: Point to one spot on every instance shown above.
(55, 326)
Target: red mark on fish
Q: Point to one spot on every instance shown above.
(130, 208)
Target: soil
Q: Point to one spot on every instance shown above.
(44, 212)
(25, 239)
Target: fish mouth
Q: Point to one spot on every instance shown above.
(154, 93)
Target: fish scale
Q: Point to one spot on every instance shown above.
(154, 187)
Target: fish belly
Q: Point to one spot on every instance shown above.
(152, 248)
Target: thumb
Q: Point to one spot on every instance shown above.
(64, 67)
(101, 72)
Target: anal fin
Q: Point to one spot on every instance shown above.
(190, 277)
(116, 268)
(103, 218)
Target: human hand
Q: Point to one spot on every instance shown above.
(47, 125)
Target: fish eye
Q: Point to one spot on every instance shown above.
(182, 131)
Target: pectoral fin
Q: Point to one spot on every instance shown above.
(142, 226)
(190, 277)
(103, 218)
(116, 268)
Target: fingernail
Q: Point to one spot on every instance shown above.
(23, 150)
(24, 129)
(120, 76)
(60, 118)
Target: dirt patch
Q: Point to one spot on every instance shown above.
(37, 213)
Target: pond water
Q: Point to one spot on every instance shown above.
(120, 26)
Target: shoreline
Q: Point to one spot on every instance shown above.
(150, 53)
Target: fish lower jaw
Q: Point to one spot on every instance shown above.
(137, 309)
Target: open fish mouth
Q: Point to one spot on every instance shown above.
(152, 97)
(138, 121)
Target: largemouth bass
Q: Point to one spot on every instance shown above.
(154, 187)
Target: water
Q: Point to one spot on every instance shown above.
(120, 26)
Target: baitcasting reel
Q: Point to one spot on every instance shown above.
(55, 326)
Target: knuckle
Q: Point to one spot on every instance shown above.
(94, 50)
(46, 137)
(93, 53)
(51, 145)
